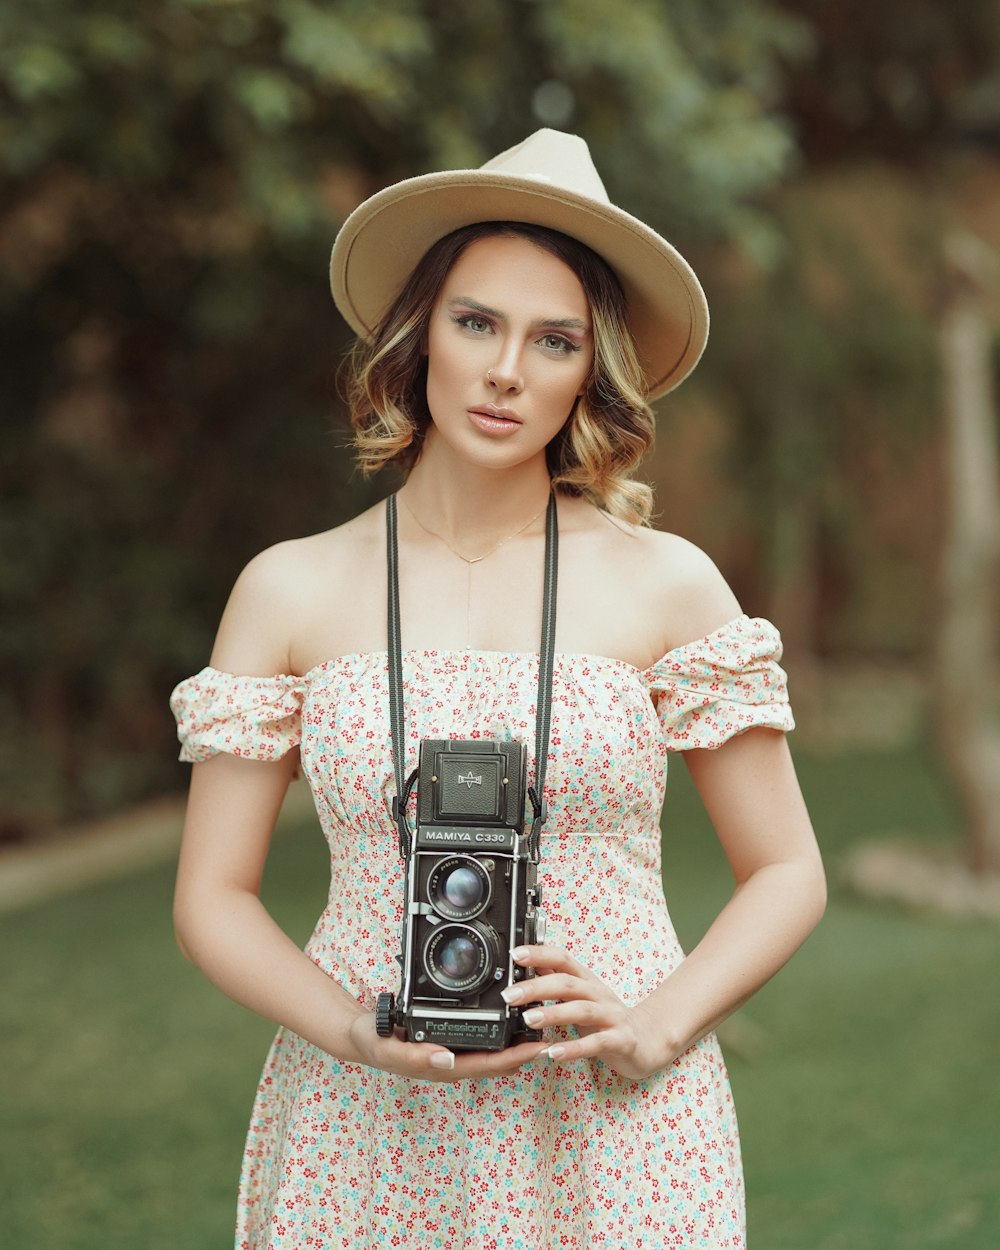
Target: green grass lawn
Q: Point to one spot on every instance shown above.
(865, 1075)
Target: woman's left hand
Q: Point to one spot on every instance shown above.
(627, 1039)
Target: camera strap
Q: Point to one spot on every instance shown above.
(543, 703)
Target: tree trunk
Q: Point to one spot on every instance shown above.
(967, 726)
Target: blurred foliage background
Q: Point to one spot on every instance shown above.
(172, 174)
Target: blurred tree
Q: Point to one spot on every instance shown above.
(821, 362)
(966, 671)
(831, 348)
(901, 80)
(171, 175)
(841, 355)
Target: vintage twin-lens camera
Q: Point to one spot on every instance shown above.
(472, 895)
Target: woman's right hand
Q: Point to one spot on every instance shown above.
(426, 1061)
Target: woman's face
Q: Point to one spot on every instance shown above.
(509, 348)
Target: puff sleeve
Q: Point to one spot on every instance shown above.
(257, 718)
(708, 691)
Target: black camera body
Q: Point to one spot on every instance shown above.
(472, 896)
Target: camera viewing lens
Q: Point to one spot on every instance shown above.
(461, 958)
(459, 888)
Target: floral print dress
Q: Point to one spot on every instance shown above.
(341, 1155)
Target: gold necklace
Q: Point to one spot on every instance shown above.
(485, 555)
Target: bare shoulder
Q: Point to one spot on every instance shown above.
(690, 591)
(289, 585)
(678, 585)
(303, 564)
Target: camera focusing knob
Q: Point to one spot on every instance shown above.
(385, 1006)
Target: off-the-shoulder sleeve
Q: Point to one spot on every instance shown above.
(258, 718)
(708, 691)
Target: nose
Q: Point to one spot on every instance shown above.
(505, 376)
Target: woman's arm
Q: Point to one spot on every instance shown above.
(223, 927)
(221, 924)
(752, 795)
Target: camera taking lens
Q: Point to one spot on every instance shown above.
(463, 958)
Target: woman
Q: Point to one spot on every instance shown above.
(513, 325)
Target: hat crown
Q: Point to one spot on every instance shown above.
(554, 157)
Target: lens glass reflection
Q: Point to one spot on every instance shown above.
(458, 958)
(462, 888)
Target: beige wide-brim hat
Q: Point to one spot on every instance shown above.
(548, 180)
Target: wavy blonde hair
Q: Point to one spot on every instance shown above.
(610, 429)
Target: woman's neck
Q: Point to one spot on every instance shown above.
(471, 508)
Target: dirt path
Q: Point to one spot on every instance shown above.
(142, 837)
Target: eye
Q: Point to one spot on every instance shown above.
(556, 343)
(475, 322)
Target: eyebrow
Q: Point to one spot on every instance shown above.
(557, 323)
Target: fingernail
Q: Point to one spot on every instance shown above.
(534, 1016)
(443, 1059)
(556, 1052)
(512, 994)
(519, 953)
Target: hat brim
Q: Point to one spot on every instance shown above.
(383, 239)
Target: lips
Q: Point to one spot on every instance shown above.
(493, 419)
(495, 410)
